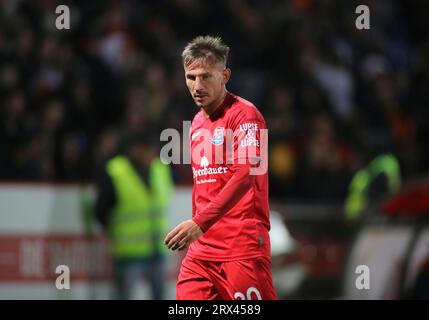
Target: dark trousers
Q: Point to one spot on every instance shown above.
(129, 272)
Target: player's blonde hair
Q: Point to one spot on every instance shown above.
(209, 48)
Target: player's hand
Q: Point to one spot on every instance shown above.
(183, 235)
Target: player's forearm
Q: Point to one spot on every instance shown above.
(239, 184)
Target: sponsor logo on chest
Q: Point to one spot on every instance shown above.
(207, 170)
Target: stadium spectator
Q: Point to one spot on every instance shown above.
(116, 68)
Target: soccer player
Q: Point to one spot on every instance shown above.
(228, 239)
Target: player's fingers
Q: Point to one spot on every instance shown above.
(180, 247)
(183, 246)
(171, 234)
(173, 243)
(182, 242)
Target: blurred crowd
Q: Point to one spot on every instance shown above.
(333, 96)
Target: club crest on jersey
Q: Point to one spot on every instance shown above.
(218, 135)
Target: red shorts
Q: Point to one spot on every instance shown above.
(242, 279)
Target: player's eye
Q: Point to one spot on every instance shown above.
(190, 77)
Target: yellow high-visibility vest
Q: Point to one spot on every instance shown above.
(138, 222)
(357, 198)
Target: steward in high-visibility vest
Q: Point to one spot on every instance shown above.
(138, 220)
(357, 198)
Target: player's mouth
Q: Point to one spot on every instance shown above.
(200, 97)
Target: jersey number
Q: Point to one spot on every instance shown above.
(239, 295)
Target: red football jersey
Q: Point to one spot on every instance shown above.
(230, 193)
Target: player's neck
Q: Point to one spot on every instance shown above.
(209, 110)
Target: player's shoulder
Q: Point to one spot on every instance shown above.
(244, 108)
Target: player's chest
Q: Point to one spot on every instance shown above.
(209, 133)
(209, 140)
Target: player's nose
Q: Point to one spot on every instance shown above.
(198, 85)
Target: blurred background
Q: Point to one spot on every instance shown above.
(347, 112)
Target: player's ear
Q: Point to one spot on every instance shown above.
(226, 75)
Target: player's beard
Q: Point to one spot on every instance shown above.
(211, 106)
(202, 104)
